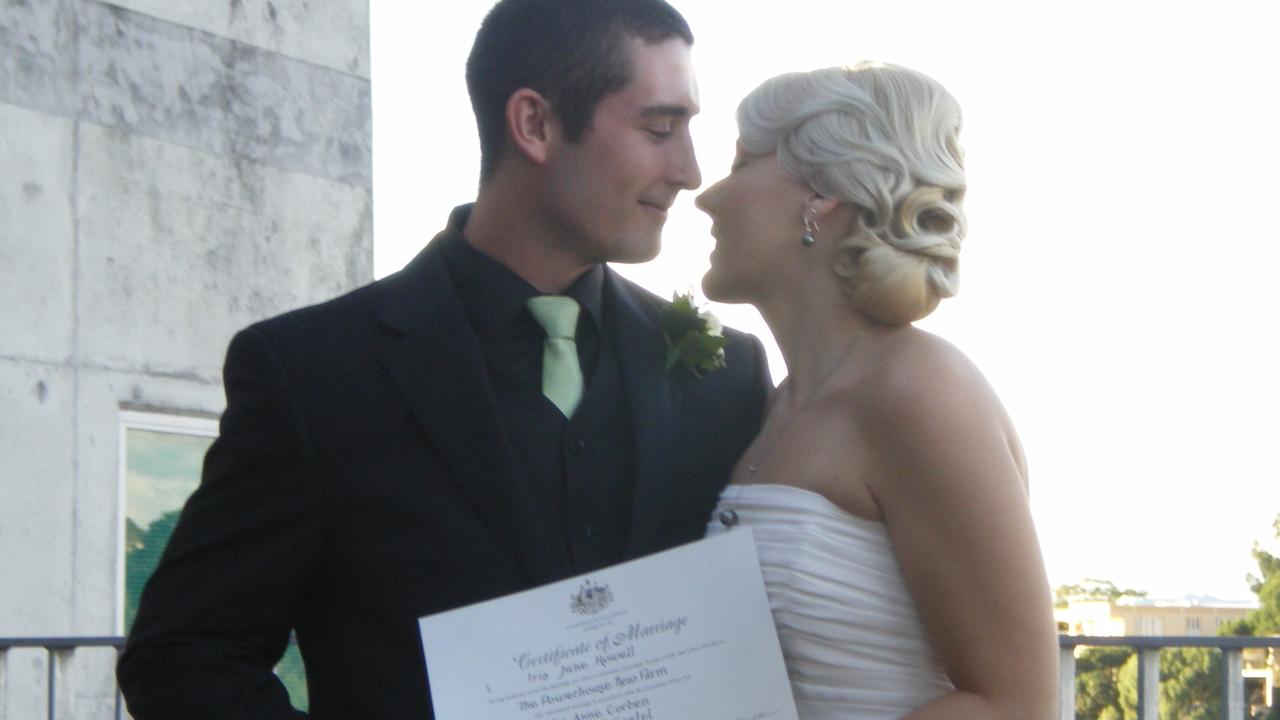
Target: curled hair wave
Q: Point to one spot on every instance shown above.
(884, 140)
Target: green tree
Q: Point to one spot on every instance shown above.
(143, 549)
(1265, 620)
(1189, 687)
(1190, 684)
(1098, 669)
(1097, 683)
(1092, 589)
(1190, 678)
(142, 554)
(1266, 585)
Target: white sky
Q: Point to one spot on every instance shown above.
(1123, 247)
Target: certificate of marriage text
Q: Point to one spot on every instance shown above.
(685, 633)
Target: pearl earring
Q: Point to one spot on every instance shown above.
(810, 227)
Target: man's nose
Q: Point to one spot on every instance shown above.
(684, 165)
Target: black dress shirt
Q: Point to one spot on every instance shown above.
(579, 470)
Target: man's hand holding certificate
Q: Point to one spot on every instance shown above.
(685, 633)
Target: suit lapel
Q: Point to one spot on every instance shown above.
(434, 359)
(654, 401)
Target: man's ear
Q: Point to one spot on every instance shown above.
(530, 124)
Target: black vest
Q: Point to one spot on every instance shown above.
(580, 471)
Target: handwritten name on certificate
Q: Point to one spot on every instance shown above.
(685, 633)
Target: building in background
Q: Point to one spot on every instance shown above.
(1191, 616)
(170, 171)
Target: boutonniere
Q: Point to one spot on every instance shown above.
(695, 339)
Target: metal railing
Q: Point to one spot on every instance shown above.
(60, 648)
(1148, 649)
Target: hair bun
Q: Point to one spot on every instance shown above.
(884, 283)
(927, 223)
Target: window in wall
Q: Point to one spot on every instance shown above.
(1193, 626)
(161, 457)
(1151, 626)
(160, 460)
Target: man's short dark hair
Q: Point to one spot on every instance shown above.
(572, 52)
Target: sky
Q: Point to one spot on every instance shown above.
(1123, 249)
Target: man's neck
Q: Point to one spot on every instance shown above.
(505, 228)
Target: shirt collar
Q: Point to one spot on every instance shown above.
(494, 296)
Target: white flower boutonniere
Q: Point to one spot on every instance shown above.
(695, 339)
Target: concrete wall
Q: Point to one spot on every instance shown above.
(170, 170)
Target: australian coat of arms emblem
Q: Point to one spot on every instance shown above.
(591, 598)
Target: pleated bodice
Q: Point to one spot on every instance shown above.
(853, 641)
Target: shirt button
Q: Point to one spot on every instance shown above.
(586, 533)
(576, 446)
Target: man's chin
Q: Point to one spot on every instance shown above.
(634, 253)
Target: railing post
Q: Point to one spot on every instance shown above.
(119, 714)
(1149, 684)
(52, 661)
(1066, 683)
(1232, 684)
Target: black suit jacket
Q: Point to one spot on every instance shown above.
(361, 480)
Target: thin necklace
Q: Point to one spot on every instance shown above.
(729, 516)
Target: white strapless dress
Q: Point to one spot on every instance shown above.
(853, 642)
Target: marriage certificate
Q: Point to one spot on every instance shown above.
(685, 633)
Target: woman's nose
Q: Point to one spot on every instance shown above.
(706, 198)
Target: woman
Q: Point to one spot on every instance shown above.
(887, 490)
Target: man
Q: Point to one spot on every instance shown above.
(401, 450)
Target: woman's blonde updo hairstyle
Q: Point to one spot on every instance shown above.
(882, 139)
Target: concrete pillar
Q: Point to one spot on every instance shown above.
(170, 171)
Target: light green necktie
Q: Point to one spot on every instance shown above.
(561, 374)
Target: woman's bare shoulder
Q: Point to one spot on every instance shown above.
(920, 396)
(911, 373)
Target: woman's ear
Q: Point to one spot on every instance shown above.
(822, 207)
(530, 124)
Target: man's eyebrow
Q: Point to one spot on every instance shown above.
(664, 111)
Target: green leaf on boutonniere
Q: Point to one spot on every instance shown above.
(694, 339)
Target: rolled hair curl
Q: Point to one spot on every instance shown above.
(884, 140)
